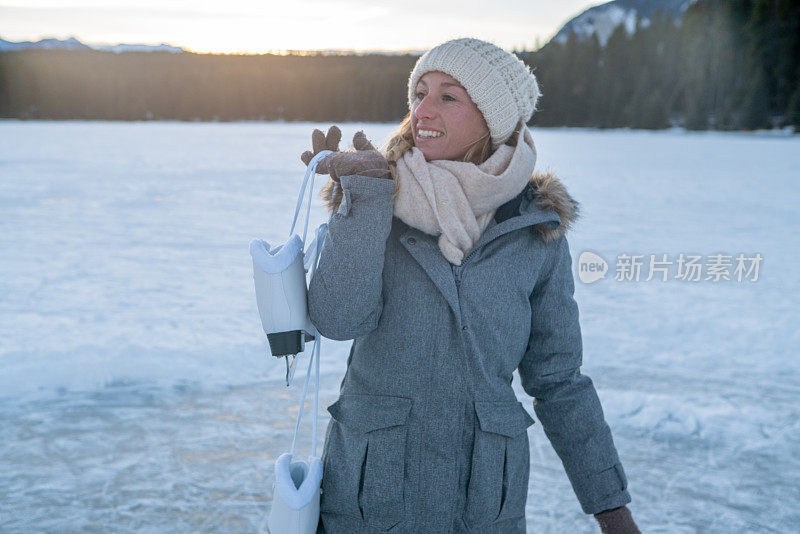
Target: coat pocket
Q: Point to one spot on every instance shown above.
(498, 484)
(364, 459)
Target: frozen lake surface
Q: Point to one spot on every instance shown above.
(136, 393)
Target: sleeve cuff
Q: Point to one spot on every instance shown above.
(602, 491)
(363, 186)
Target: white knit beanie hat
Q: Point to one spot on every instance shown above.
(502, 86)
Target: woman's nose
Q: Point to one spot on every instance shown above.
(424, 108)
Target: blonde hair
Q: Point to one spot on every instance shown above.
(402, 140)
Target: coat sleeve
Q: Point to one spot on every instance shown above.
(345, 294)
(565, 401)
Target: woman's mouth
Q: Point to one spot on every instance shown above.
(428, 135)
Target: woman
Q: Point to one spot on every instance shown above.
(446, 262)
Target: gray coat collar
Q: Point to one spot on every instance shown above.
(544, 206)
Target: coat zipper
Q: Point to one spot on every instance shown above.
(457, 269)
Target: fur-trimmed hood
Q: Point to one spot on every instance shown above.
(551, 195)
(547, 190)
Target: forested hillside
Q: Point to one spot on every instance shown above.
(727, 65)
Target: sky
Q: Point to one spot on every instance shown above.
(253, 26)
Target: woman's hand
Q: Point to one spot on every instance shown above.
(364, 160)
(320, 142)
(617, 521)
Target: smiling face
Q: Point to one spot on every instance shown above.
(442, 105)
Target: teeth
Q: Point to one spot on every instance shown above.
(429, 133)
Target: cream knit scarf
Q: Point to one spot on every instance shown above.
(456, 200)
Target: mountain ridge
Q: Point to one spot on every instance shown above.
(71, 43)
(603, 19)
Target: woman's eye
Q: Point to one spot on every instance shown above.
(421, 95)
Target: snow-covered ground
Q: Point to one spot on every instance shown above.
(136, 393)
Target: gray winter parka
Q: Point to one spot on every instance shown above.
(427, 435)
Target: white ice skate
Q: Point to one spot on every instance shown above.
(279, 274)
(295, 496)
(280, 280)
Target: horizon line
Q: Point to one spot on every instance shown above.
(271, 51)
